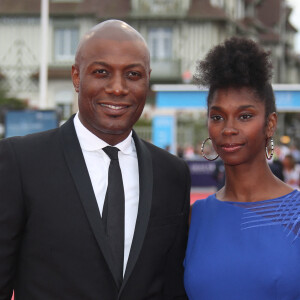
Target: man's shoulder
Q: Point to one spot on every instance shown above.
(32, 144)
(33, 137)
(38, 137)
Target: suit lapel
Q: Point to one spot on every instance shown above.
(78, 169)
(145, 200)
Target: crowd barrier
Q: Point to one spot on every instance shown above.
(205, 173)
(202, 173)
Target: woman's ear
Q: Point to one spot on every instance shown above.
(272, 124)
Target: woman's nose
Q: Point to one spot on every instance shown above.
(229, 128)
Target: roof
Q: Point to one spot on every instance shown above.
(251, 22)
(203, 9)
(268, 12)
(291, 27)
(270, 37)
(100, 9)
(255, 2)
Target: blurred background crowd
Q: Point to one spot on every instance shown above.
(285, 163)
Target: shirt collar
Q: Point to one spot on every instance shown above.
(90, 142)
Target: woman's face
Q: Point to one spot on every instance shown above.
(237, 126)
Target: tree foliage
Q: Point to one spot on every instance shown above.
(9, 103)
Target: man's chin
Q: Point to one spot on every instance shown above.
(116, 131)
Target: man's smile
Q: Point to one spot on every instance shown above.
(115, 107)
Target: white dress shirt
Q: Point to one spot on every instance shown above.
(97, 163)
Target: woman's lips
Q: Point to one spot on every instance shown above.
(231, 147)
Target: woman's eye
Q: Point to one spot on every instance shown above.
(216, 118)
(246, 116)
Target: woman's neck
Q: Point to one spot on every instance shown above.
(251, 182)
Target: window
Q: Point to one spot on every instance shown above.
(64, 101)
(65, 41)
(66, 1)
(64, 110)
(219, 3)
(160, 6)
(160, 43)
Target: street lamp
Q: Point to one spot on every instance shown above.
(43, 74)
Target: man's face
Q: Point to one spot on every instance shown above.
(112, 79)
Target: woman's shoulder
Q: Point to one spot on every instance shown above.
(292, 196)
(200, 204)
(286, 202)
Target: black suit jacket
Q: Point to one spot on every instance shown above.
(52, 243)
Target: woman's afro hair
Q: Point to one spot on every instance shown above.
(238, 62)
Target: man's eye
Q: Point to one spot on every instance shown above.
(134, 75)
(100, 71)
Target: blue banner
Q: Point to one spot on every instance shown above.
(181, 99)
(163, 132)
(286, 100)
(22, 122)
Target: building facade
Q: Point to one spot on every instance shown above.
(178, 33)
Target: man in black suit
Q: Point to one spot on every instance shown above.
(54, 242)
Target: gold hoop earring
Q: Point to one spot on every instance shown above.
(202, 150)
(271, 143)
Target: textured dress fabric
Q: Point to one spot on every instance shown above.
(244, 251)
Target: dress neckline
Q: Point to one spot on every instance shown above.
(291, 194)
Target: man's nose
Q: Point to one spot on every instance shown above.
(117, 85)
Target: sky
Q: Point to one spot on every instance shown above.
(295, 20)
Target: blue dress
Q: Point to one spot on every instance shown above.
(244, 251)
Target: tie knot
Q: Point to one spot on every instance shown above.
(112, 152)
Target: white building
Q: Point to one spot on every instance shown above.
(178, 32)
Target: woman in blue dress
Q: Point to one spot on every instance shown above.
(244, 241)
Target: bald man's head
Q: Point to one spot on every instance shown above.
(111, 30)
(111, 76)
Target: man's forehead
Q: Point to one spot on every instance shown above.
(93, 40)
(113, 40)
(114, 31)
(102, 46)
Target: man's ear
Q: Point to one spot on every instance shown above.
(272, 124)
(75, 77)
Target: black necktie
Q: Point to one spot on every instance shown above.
(113, 210)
